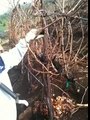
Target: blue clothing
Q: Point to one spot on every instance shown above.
(2, 65)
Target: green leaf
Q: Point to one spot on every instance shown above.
(67, 84)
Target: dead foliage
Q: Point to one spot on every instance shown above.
(57, 64)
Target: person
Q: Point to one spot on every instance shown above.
(9, 59)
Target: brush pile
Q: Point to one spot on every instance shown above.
(57, 64)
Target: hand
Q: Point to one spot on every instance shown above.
(32, 34)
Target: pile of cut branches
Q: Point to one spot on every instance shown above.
(58, 63)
